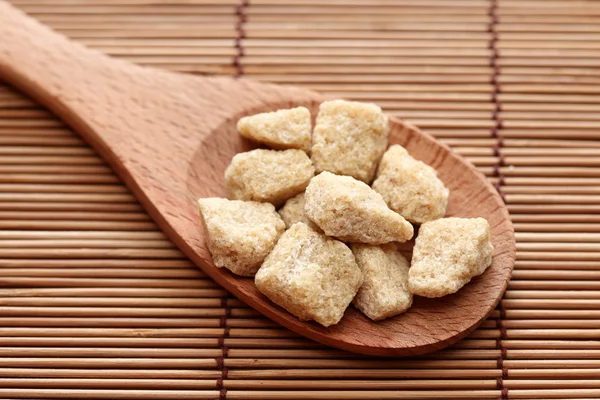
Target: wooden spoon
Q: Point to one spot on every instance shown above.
(170, 136)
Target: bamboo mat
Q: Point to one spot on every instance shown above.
(96, 303)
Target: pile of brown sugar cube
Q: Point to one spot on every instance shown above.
(304, 222)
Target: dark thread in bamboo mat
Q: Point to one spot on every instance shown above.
(503, 354)
(496, 117)
(496, 133)
(224, 350)
(240, 12)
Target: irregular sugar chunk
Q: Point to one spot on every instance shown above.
(281, 129)
(384, 292)
(410, 187)
(353, 212)
(268, 175)
(449, 252)
(240, 234)
(311, 275)
(349, 138)
(293, 211)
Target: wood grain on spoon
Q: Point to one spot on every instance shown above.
(170, 136)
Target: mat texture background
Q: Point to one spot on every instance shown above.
(96, 303)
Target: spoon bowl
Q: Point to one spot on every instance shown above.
(170, 137)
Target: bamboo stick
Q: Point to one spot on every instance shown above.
(46, 132)
(250, 43)
(379, 78)
(548, 218)
(51, 160)
(102, 263)
(115, 342)
(547, 98)
(543, 181)
(548, 208)
(55, 169)
(13, 124)
(121, 383)
(547, 265)
(108, 282)
(133, 42)
(81, 8)
(259, 343)
(375, 5)
(371, 373)
(113, 322)
(539, 304)
(368, 18)
(115, 3)
(553, 199)
(71, 207)
(551, 294)
(261, 333)
(17, 103)
(366, 51)
(72, 215)
(175, 273)
(374, 69)
(547, 79)
(550, 373)
(45, 150)
(69, 197)
(306, 60)
(194, 353)
(570, 334)
(193, 303)
(555, 227)
(539, 284)
(552, 313)
(72, 225)
(58, 179)
(550, 344)
(108, 373)
(539, 151)
(62, 188)
(135, 333)
(101, 235)
(360, 385)
(223, 33)
(551, 384)
(349, 88)
(550, 171)
(134, 394)
(358, 363)
(558, 256)
(116, 292)
(24, 113)
(563, 247)
(307, 8)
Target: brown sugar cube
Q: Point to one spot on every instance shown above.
(449, 252)
(410, 187)
(281, 129)
(293, 211)
(268, 175)
(351, 211)
(240, 234)
(384, 292)
(349, 138)
(311, 275)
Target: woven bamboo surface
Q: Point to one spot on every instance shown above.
(96, 303)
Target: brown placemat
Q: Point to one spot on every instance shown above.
(96, 303)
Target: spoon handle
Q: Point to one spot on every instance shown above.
(43, 63)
